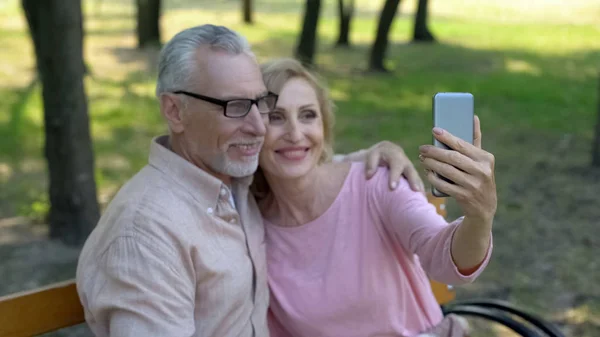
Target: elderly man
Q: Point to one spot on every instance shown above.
(180, 250)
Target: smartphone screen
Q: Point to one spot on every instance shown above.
(453, 112)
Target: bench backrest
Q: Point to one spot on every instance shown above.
(443, 293)
(57, 306)
(41, 310)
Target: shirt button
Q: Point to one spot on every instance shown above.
(209, 210)
(223, 192)
(232, 221)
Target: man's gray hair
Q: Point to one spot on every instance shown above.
(177, 62)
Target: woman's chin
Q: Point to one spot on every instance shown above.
(284, 170)
(293, 174)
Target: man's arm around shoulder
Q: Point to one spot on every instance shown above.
(137, 289)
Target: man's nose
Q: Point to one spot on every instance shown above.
(255, 122)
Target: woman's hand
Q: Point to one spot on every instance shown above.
(470, 168)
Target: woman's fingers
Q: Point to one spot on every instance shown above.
(455, 143)
(449, 157)
(448, 171)
(442, 185)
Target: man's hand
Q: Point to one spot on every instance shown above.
(388, 154)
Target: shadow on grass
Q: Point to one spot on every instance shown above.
(530, 90)
(107, 9)
(513, 88)
(148, 56)
(110, 32)
(262, 6)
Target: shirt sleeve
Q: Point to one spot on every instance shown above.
(139, 291)
(414, 223)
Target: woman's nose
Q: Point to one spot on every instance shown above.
(293, 134)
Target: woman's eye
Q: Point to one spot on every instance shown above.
(275, 117)
(309, 114)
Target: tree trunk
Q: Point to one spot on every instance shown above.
(421, 32)
(34, 32)
(308, 38)
(345, 12)
(381, 40)
(58, 25)
(29, 7)
(596, 145)
(247, 11)
(148, 23)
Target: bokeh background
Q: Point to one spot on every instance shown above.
(533, 67)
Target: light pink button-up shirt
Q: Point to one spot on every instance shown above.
(172, 257)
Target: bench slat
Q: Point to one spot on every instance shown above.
(39, 311)
(443, 294)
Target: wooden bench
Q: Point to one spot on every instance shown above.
(57, 306)
(32, 313)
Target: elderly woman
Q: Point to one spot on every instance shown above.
(346, 256)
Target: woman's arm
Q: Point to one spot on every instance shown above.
(472, 171)
(470, 244)
(413, 223)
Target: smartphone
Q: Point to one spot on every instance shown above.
(453, 112)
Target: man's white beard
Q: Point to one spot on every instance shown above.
(236, 169)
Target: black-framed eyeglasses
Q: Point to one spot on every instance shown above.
(239, 107)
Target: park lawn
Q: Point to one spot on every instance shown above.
(534, 75)
(526, 75)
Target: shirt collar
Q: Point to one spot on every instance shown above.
(197, 182)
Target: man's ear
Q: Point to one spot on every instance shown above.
(171, 108)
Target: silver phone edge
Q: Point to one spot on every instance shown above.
(436, 143)
(436, 193)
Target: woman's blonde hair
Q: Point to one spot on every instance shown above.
(276, 73)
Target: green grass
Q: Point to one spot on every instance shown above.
(525, 73)
(532, 66)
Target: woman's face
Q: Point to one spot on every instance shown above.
(294, 140)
